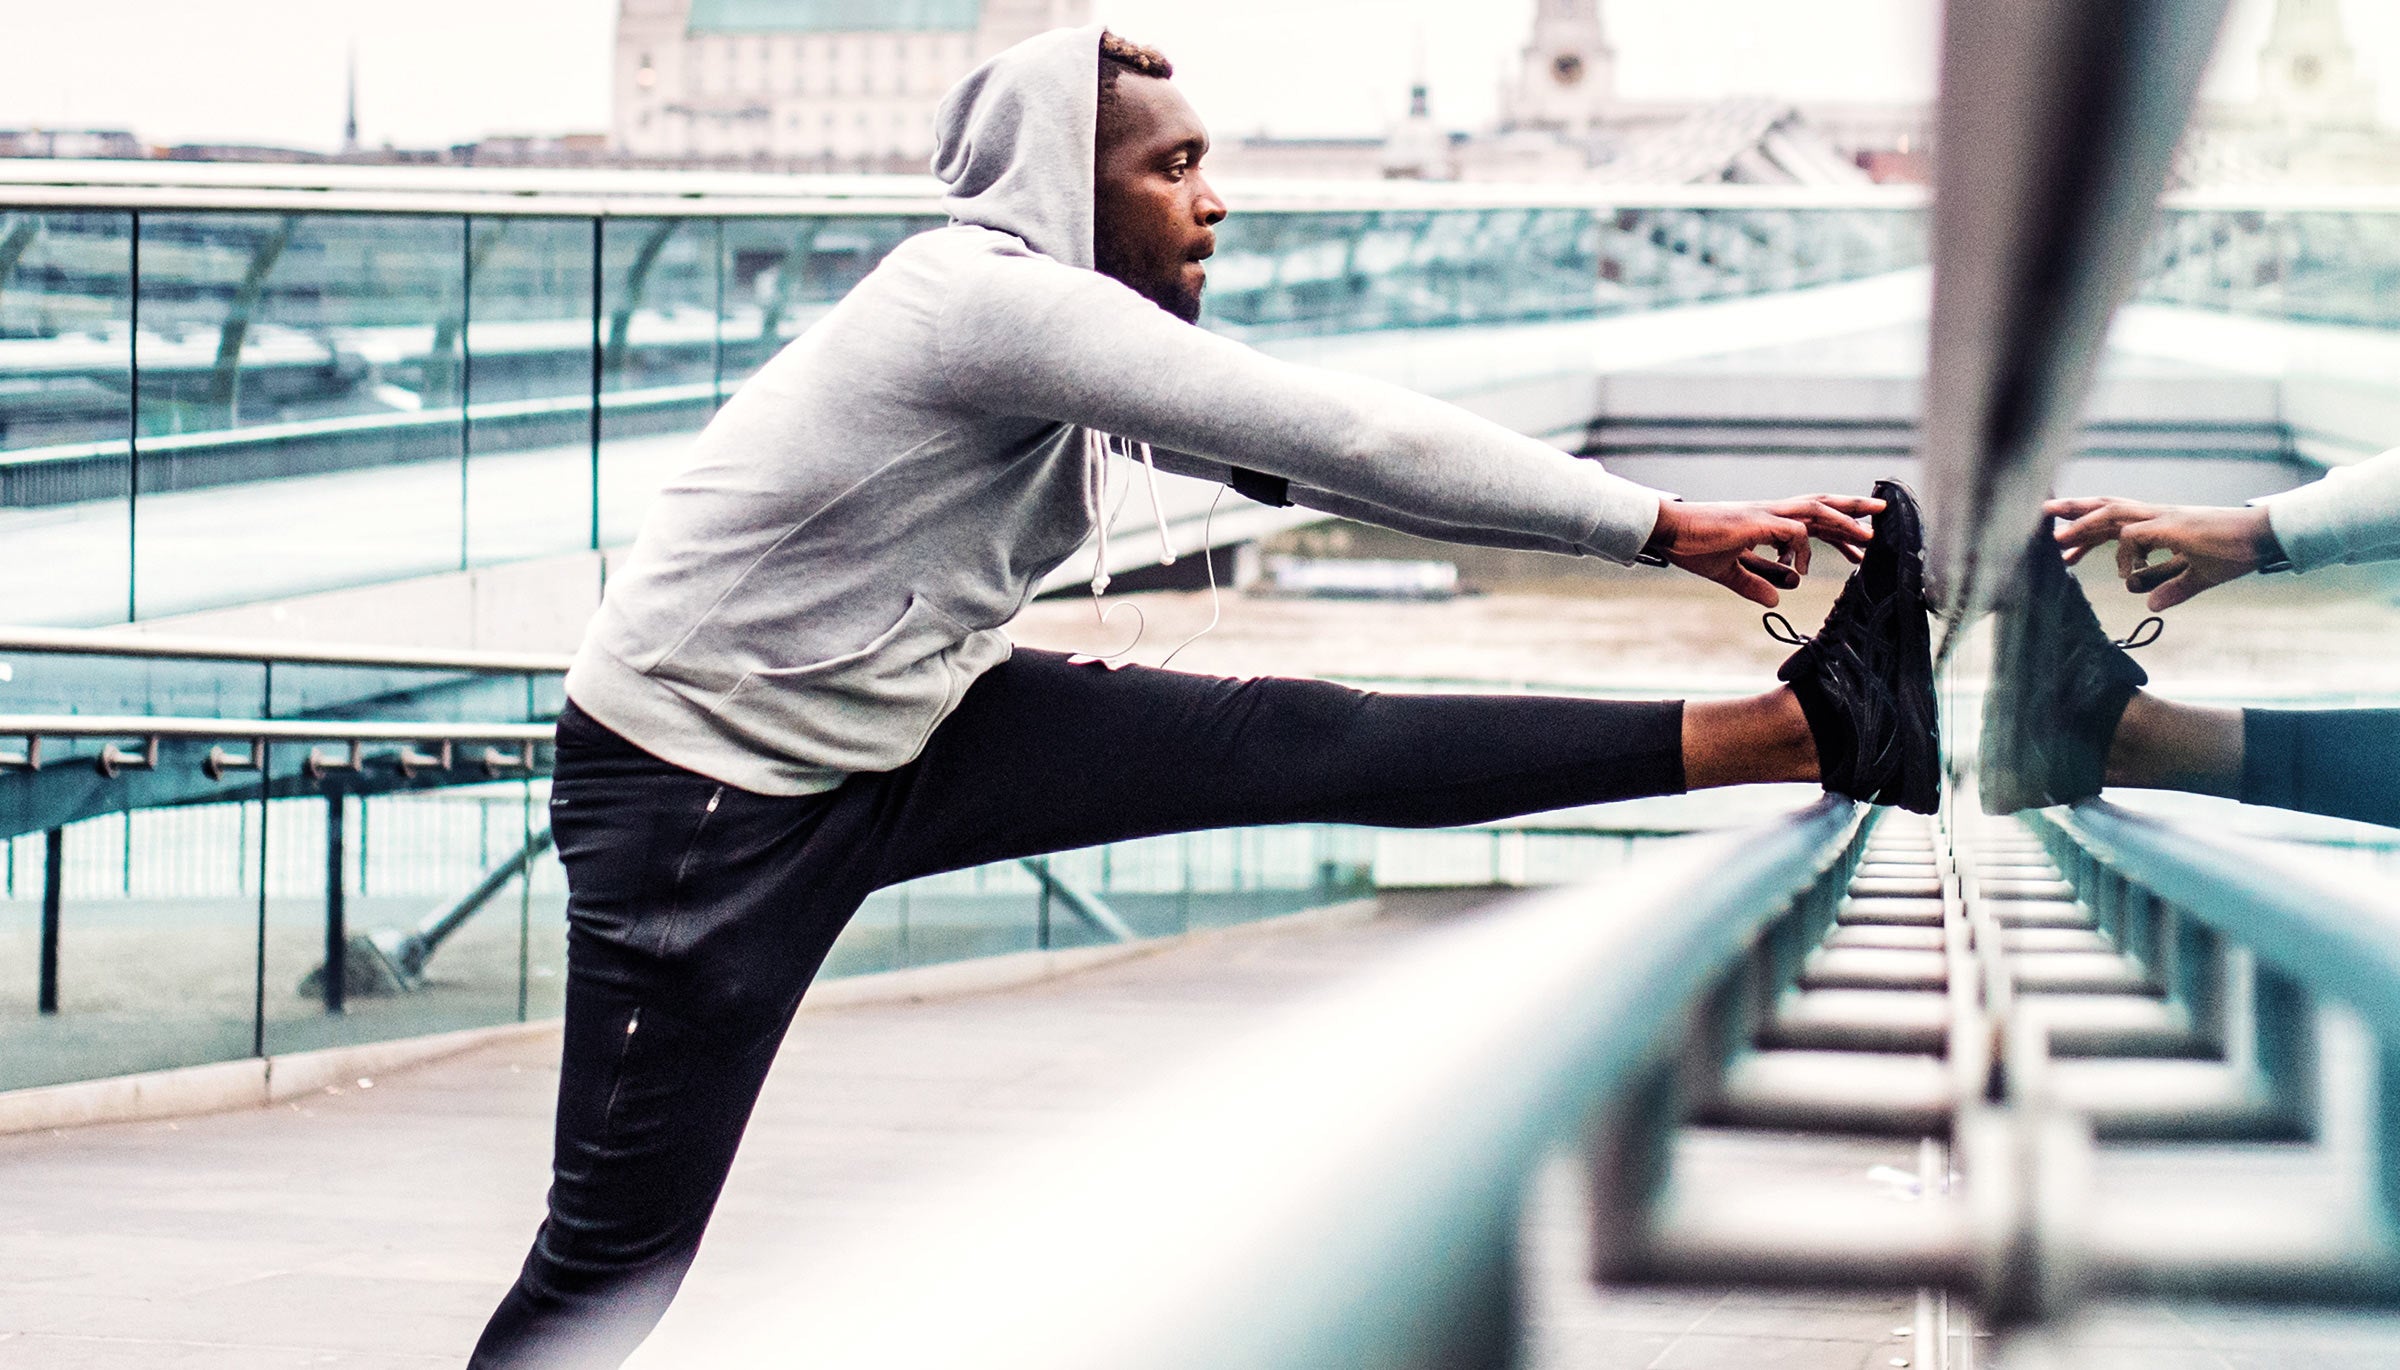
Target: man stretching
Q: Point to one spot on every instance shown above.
(797, 691)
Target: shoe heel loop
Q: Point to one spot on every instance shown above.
(2149, 630)
(1780, 628)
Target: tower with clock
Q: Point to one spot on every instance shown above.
(1568, 77)
(2308, 76)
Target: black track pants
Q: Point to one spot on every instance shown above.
(2342, 762)
(698, 912)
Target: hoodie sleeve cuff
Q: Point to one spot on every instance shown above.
(1628, 513)
(2308, 526)
(2351, 514)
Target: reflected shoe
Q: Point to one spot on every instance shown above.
(2059, 688)
(1865, 681)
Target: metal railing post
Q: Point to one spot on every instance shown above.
(337, 935)
(1041, 926)
(54, 889)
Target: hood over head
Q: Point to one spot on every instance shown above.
(1015, 143)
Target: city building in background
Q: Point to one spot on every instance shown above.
(2313, 121)
(830, 85)
(1563, 119)
(852, 85)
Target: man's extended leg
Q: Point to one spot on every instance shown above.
(2342, 762)
(1044, 755)
(2339, 762)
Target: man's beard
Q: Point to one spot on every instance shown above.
(1111, 260)
(1183, 304)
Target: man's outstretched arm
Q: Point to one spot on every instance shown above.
(2350, 516)
(1030, 337)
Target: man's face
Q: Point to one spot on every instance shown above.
(1152, 210)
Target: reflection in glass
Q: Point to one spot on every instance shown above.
(2070, 710)
(66, 330)
(302, 359)
(526, 379)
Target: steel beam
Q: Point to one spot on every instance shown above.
(2058, 121)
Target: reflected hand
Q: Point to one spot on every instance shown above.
(2206, 546)
(1721, 542)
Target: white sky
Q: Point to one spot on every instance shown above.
(434, 72)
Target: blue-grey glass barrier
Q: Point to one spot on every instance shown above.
(527, 343)
(330, 399)
(198, 932)
(451, 362)
(66, 414)
(64, 788)
(2318, 266)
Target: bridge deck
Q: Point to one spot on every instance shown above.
(372, 1228)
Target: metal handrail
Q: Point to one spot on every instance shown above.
(2343, 935)
(256, 733)
(610, 192)
(2065, 118)
(271, 729)
(111, 642)
(1340, 1188)
(2313, 936)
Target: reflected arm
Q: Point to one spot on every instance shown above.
(2351, 515)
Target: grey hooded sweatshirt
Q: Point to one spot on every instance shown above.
(831, 569)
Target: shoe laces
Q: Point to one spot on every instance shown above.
(1780, 628)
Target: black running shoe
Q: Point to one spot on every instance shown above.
(2059, 688)
(1865, 681)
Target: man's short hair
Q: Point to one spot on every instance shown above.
(1121, 55)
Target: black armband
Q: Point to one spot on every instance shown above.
(1259, 486)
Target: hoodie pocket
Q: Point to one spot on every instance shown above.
(865, 710)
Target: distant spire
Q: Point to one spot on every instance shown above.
(1420, 89)
(350, 107)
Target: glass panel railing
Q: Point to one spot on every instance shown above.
(657, 356)
(403, 861)
(287, 440)
(338, 397)
(2317, 265)
(126, 962)
(528, 366)
(438, 370)
(203, 931)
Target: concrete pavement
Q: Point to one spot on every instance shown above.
(374, 1226)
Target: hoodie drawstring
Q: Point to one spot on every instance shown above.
(1095, 497)
(1099, 449)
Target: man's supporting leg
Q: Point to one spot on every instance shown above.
(697, 915)
(650, 1110)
